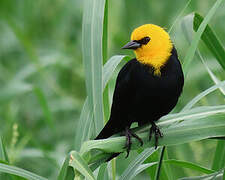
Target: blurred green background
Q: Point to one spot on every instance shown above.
(42, 86)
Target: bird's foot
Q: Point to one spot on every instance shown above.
(129, 134)
(155, 129)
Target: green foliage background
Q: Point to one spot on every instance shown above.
(42, 87)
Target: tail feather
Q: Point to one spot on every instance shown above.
(108, 130)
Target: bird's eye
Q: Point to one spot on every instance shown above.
(144, 40)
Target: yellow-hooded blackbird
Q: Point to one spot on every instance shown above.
(148, 86)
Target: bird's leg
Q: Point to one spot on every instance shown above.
(128, 134)
(155, 129)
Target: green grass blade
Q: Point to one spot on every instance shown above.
(105, 55)
(110, 67)
(65, 173)
(102, 171)
(92, 56)
(189, 165)
(189, 130)
(4, 158)
(214, 176)
(179, 15)
(191, 51)
(182, 164)
(142, 167)
(105, 34)
(219, 157)
(79, 164)
(84, 132)
(211, 40)
(203, 94)
(211, 74)
(86, 116)
(19, 172)
(186, 24)
(133, 166)
(3, 153)
(197, 112)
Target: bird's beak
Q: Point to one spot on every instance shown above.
(132, 45)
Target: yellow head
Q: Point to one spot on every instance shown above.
(152, 45)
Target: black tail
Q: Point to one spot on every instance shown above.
(108, 130)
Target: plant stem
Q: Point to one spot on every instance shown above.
(160, 163)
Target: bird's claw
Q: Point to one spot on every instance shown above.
(129, 134)
(155, 129)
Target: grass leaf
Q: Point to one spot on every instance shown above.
(189, 165)
(92, 33)
(191, 51)
(213, 176)
(192, 129)
(182, 164)
(19, 172)
(133, 166)
(203, 94)
(211, 40)
(79, 164)
(110, 67)
(85, 121)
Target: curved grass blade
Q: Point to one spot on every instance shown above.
(79, 164)
(19, 172)
(179, 15)
(193, 129)
(110, 67)
(191, 51)
(189, 165)
(213, 176)
(211, 40)
(186, 24)
(203, 94)
(142, 167)
(182, 164)
(213, 77)
(133, 166)
(198, 112)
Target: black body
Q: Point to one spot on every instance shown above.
(140, 96)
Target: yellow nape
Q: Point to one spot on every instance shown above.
(157, 51)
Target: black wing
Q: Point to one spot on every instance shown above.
(119, 117)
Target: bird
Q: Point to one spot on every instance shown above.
(147, 87)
